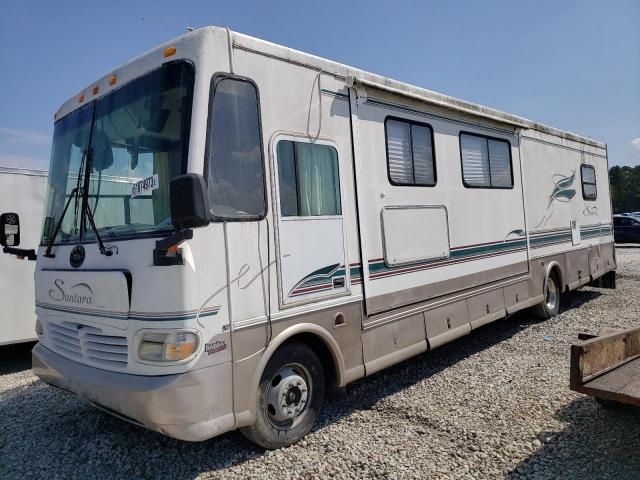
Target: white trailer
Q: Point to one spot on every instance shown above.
(21, 191)
(289, 225)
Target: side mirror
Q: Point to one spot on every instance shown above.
(189, 201)
(9, 230)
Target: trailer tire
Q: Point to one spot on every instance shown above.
(290, 396)
(551, 304)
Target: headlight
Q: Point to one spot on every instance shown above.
(167, 347)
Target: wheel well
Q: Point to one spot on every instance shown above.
(324, 354)
(555, 270)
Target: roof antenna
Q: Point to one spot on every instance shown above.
(161, 22)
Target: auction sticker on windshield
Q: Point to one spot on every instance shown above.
(145, 185)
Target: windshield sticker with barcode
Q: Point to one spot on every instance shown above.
(145, 185)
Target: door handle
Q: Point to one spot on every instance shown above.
(338, 282)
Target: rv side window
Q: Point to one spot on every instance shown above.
(486, 162)
(308, 179)
(234, 160)
(589, 190)
(410, 157)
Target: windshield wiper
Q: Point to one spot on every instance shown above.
(72, 195)
(85, 208)
(87, 211)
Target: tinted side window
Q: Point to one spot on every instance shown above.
(410, 158)
(589, 189)
(308, 179)
(235, 173)
(486, 162)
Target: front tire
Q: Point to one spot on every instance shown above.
(551, 304)
(290, 396)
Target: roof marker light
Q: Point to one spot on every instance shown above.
(96, 89)
(81, 99)
(113, 80)
(169, 51)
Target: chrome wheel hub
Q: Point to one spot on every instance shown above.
(288, 394)
(551, 294)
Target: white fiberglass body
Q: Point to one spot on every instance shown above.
(364, 218)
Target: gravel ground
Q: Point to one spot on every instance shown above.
(495, 404)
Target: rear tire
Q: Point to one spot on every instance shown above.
(551, 304)
(290, 396)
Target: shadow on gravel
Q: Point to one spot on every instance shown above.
(598, 442)
(15, 358)
(73, 439)
(577, 298)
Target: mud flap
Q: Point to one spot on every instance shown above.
(608, 280)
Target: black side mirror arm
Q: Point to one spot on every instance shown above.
(29, 254)
(162, 257)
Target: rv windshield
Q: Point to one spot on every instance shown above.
(136, 140)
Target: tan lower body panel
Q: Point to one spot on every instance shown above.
(249, 344)
(386, 339)
(188, 406)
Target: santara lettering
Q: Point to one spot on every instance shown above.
(72, 296)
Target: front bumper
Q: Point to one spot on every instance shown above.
(189, 406)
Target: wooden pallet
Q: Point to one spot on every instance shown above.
(607, 365)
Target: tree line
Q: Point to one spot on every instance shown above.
(625, 188)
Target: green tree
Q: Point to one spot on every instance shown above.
(625, 188)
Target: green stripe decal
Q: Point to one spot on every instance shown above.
(322, 279)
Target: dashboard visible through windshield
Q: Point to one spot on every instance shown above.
(121, 151)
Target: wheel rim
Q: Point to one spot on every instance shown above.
(551, 294)
(288, 396)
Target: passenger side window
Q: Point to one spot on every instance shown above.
(486, 162)
(589, 190)
(308, 178)
(234, 160)
(410, 156)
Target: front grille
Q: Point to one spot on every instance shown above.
(88, 344)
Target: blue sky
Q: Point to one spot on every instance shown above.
(574, 65)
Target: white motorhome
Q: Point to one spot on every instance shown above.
(289, 225)
(21, 191)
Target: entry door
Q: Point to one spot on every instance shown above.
(311, 245)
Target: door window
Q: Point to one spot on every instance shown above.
(308, 179)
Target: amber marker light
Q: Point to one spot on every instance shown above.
(169, 51)
(96, 89)
(81, 99)
(113, 80)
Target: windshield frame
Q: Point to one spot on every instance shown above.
(185, 135)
